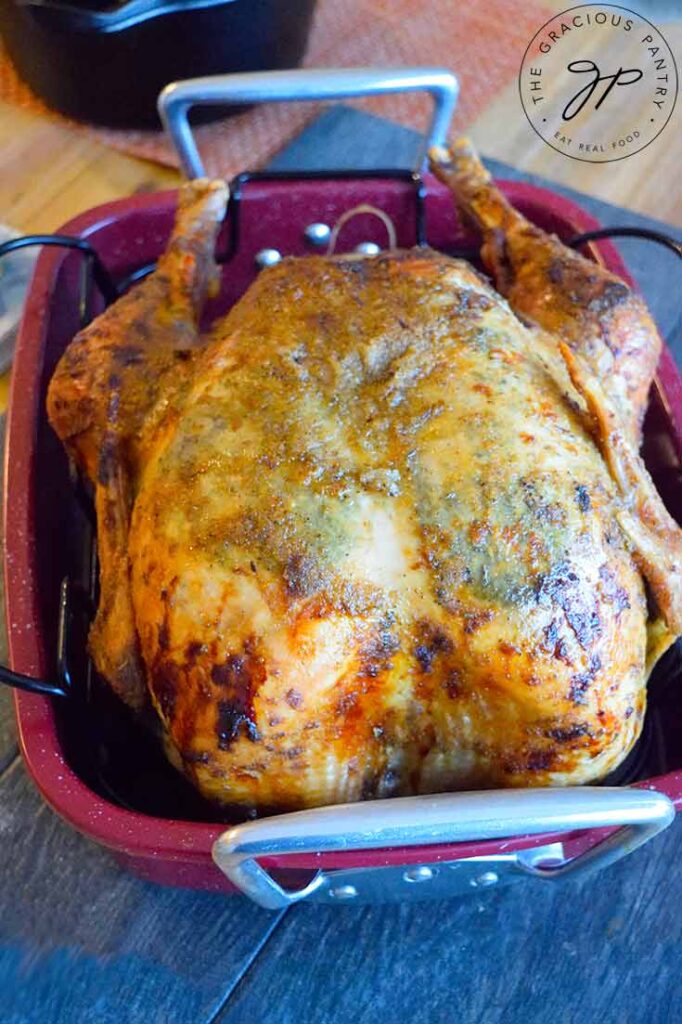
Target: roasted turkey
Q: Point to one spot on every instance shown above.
(382, 531)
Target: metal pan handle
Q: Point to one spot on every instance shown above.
(177, 98)
(637, 814)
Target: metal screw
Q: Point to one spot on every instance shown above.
(344, 892)
(317, 234)
(423, 873)
(368, 248)
(267, 258)
(486, 879)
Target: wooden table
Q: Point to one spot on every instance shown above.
(82, 942)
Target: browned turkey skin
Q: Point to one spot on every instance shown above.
(375, 535)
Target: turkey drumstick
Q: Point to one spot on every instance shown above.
(111, 384)
(574, 298)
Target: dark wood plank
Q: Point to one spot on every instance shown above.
(604, 949)
(8, 738)
(81, 941)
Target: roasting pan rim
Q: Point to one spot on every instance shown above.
(134, 833)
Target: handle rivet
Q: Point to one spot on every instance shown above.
(267, 258)
(344, 892)
(486, 879)
(317, 234)
(423, 873)
(368, 248)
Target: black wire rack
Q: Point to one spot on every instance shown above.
(75, 603)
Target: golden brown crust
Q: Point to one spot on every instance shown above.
(575, 299)
(113, 372)
(379, 553)
(366, 540)
(103, 397)
(654, 535)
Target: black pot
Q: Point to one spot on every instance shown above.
(107, 65)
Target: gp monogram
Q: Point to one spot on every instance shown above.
(598, 83)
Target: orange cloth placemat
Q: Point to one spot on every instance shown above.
(483, 42)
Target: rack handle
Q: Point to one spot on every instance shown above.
(637, 814)
(177, 98)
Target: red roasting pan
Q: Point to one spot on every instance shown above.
(112, 784)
